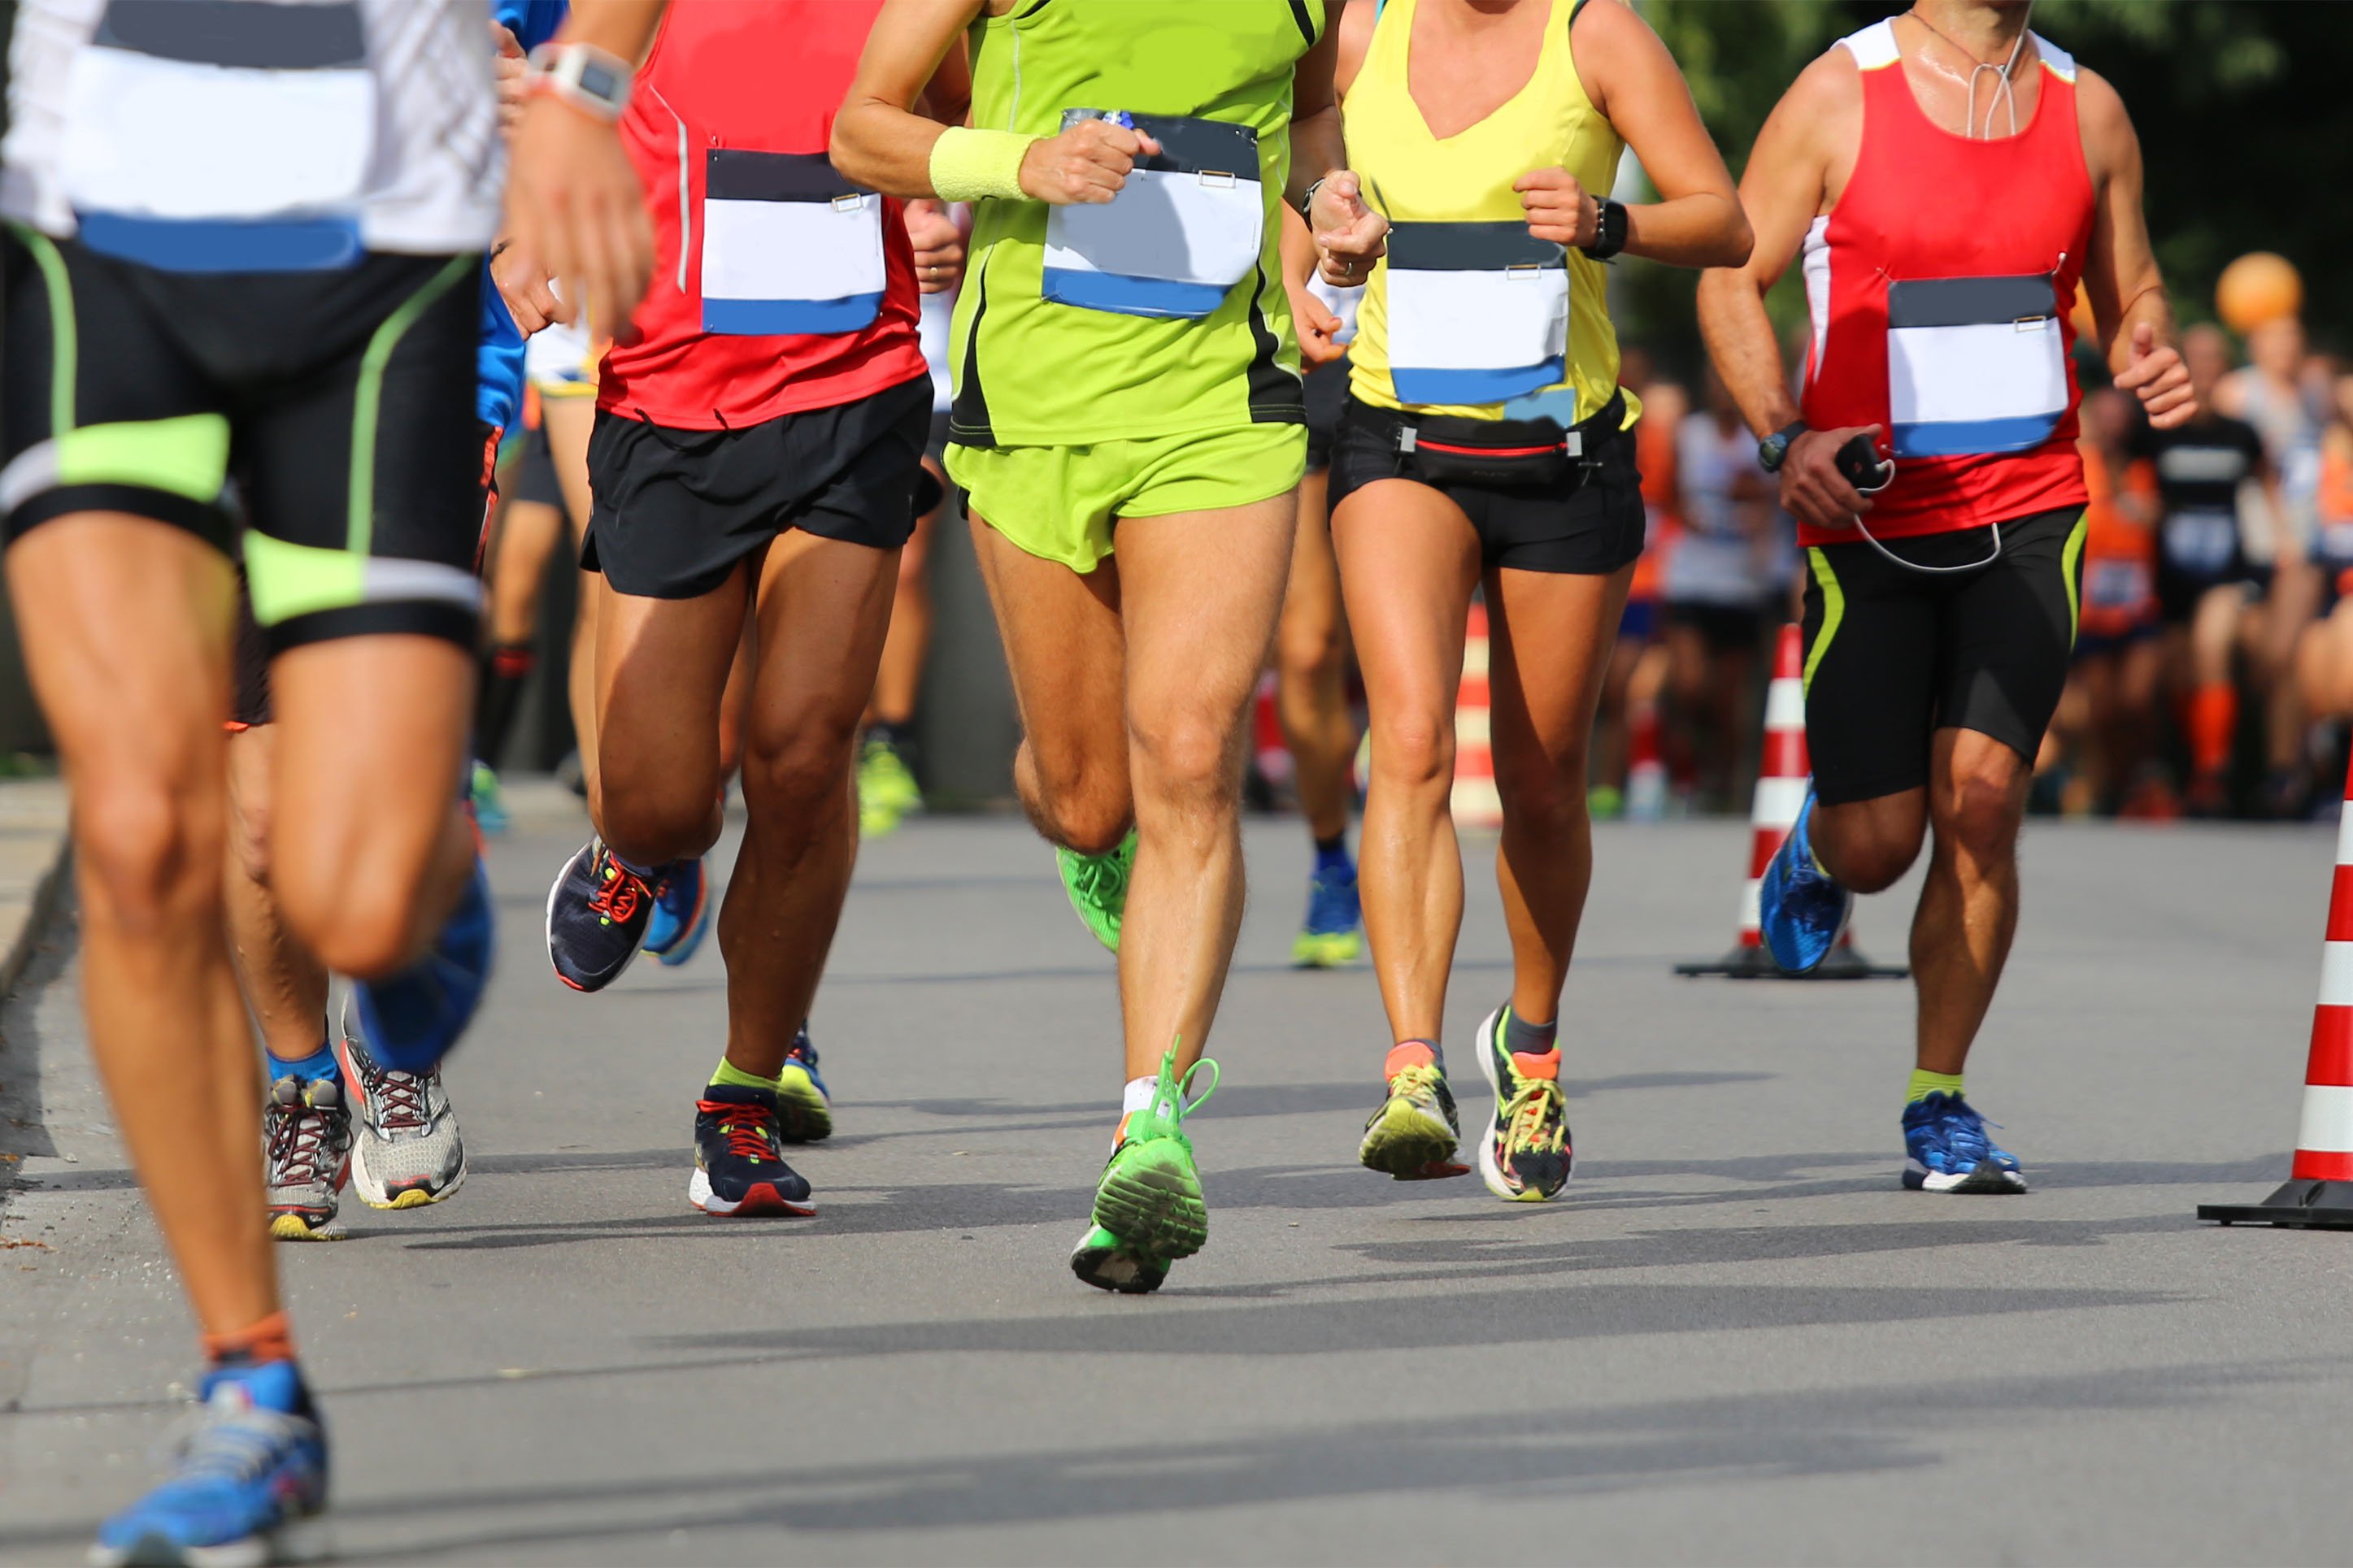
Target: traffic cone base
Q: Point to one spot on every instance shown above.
(1755, 964)
(2298, 1206)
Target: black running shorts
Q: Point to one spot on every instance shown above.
(1593, 529)
(1325, 391)
(336, 407)
(676, 510)
(1893, 655)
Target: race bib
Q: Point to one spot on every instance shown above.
(222, 135)
(2117, 584)
(1975, 365)
(2202, 543)
(1478, 312)
(1188, 225)
(788, 246)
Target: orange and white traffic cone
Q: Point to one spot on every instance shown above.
(2318, 1194)
(1781, 773)
(1475, 801)
(1646, 773)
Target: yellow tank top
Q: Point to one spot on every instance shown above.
(1411, 176)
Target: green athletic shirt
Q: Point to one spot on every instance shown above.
(1031, 371)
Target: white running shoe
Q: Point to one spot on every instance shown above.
(407, 1151)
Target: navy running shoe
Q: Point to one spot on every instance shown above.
(1946, 1151)
(682, 914)
(1802, 909)
(413, 1020)
(252, 1482)
(739, 1160)
(1329, 937)
(597, 913)
(804, 1105)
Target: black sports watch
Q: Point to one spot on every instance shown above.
(1608, 229)
(1774, 450)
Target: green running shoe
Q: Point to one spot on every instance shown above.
(887, 790)
(1098, 885)
(1148, 1207)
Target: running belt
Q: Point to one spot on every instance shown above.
(788, 245)
(1188, 225)
(222, 135)
(1973, 365)
(1478, 312)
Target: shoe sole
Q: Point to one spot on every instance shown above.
(1490, 1170)
(549, 927)
(802, 1112)
(288, 1225)
(1987, 1180)
(1409, 1144)
(303, 1540)
(1154, 1203)
(1119, 1269)
(762, 1202)
(1328, 951)
(373, 1192)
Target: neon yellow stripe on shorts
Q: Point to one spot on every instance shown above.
(1834, 611)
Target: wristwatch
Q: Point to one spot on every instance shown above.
(589, 79)
(1608, 229)
(1774, 450)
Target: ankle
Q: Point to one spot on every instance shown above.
(729, 1076)
(270, 1339)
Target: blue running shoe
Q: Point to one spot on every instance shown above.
(1330, 936)
(1800, 908)
(804, 1105)
(409, 1021)
(682, 914)
(490, 803)
(1946, 1150)
(252, 1484)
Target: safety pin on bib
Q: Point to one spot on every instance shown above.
(1216, 179)
(1524, 271)
(850, 202)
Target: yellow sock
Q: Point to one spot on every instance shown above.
(1925, 1083)
(735, 1076)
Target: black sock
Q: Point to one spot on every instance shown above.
(1335, 844)
(1523, 1038)
(506, 668)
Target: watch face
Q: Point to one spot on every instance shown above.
(599, 81)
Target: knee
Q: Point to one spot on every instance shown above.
(798, 768)
(1545, 792)
(1080, 803)
(1182, 755)
(1981, 813)
(366, 925)
(650, 826)
(1308, 653)
(1414, 752)
(150, 852)
(1872, 854)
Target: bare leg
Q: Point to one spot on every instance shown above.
(284, 985)
(569, 421)
(901, 675)
(1410, 558)
(1968, 906)
(528, 535)
(127, 628)
(1310, 668)
(662, 671)
(823, 607)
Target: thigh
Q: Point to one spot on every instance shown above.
(1064, 649)
(1310, 599)
(1199, 595)
(1871, 631)
(568, 422)
(1549, 639)
(662, 667)
(1409, 560)
(823, 608)
(2008, 631)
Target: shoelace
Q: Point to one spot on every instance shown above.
(298, 1136)
(1963, 1134)
(619, 891)
(1532, 1118)
(217, 1442)
(1100, 878)
(400, 1099)
(1418, 1082)
(750, 1129)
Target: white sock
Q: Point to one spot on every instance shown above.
(1139, 1094)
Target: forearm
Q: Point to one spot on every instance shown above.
(2148, 304)
(1298, 247)
(1704, 230)
(1740, 341)
(1316, 149)
(622, 27)
(885, 147)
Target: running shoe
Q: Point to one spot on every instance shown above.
(1330, 936)
(306, 1149)
(489, 803)
(1946, 1150)
(1098, 887)
(1414, 1133)
(886, 790)
(1148, 1207)
(681, 916)
(597, 913)
(414, 1018)
(1527, 1153)
(409, 1152)
(250, 1486)
(1802, 909)
(804, 1106)
(739, 1159)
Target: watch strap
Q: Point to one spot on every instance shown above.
(592, 80)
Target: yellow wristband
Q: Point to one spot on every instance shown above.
(969, 165)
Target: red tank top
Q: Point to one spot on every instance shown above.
(1939, 289)
(778, 285)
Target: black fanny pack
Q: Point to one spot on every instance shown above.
(1507, 454)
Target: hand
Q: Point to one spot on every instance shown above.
(2159, 378)
(577, 213)
(1558, 207)
(529, 296)
(1349, 236)
(1812, 489)
(512, 71)
(939, 245)
(1087, 164)
(1318, 328)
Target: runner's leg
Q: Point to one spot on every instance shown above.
(1969, 905)
(1311, 666)
(662, 671)
(569, 421)
(283, 983)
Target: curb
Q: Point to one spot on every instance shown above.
(23, 922)
(35, 849)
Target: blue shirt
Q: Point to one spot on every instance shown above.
(498, 391)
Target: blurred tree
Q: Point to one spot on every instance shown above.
(2245, 124)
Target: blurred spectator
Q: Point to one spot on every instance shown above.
(2325, 652)
(1627, 775)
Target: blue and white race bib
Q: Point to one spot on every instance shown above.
(2201, 542)
(1478, 312)
(788, 245)
(1974, 365)
(1187, 227)
(222, 135)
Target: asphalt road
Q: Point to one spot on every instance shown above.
(1735, 1339)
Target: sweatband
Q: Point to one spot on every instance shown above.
(967, 166)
